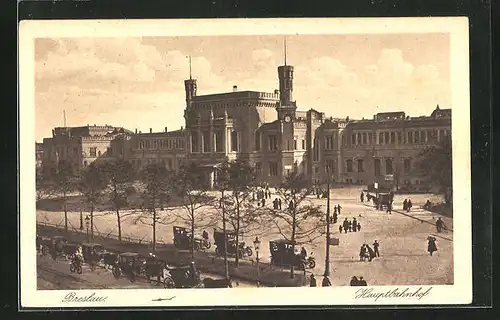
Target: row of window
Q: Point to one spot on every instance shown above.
(218, 142)
(393, 137)
(377, 164)
(64, 153)
(161, 144)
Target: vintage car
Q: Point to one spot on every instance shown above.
(282, 254)
(130, 264)
(182, 240)
(243, 251)
(55, 246)
(383, 200)
(186, 276)
(92, 254)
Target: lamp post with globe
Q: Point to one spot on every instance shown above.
(256, 244)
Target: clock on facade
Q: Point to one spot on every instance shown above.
(288, 119)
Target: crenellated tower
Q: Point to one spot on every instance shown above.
(286, 107)
(190, 87)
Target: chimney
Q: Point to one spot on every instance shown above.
(276, 91)
(135, 130)
(166, 129)
(150, 130)
(235, 88)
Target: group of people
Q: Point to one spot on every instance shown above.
(367, 253)
(407, 205)
(277, 204)
(357, 282)
(350, 226)
(325, 283)
(431, 245)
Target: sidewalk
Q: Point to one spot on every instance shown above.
(206, 262)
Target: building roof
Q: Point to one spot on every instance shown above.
(236, 95)
(176, 133)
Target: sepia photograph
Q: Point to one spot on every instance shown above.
(256, 157)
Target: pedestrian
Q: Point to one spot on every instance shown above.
(335, 217)
(290, 205)
(359, 226)
(405, 205)
(338, 208)
(312, 281)
(345, 224)
(409, 205)
(371, 253)
(389, 208)
(326, 282)
(354, 225)
(376, 244)
(340, 229)
(335, 210)
(275, 204)
(362, 196)
(263, 202)
(362, 282)
(350, 226)
(279, 203)
(440, 226)
(354, 282)
(362, 252)
(431, 245)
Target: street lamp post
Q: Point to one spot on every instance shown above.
(81, 220)
(256, 244)
(87, 223)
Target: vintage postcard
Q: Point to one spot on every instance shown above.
(225, 162)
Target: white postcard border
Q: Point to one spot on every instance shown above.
(459, 293)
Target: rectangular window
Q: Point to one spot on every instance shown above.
(398, 134)
(349, 165)
(370, 138)
(155, 144)
(386, 138)
(358, 138)
(273, 169)
(303, 144)
(376, 167)
(194, 142)
(93, 152)
(365, 138)
(218, 142)
(410, 137)
(288, 145)
(329, 143)
(407, 165)
(353, 139)
(273, 143)
(393, 137)
(258, 169)
(388, 166)
(361, 167)
(417, 136)
(206, 141)
(381, 138)
(316, 150)
(295, 144)
(257, 141)
(234, 141)
(330, 166)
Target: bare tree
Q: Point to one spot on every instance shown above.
(92, 184)
(119, 177)
(65, 182)
(45, 182)
(191, 187)
(236, 179)
(157, 182)
(298, 221)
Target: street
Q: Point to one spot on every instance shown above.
(55, 275)
(403, 260)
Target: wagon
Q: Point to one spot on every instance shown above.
(220, 244)
(130, 264)
(54, 246)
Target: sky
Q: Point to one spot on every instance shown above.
(138, 82)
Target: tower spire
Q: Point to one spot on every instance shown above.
(64, 117)
(190, 67)
(284, 44)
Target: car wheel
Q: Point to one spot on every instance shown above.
(71, 268)
(45, 251)
(208, 245)
(79, 269)
(312, 264)
(92, 266)
(249, 252)
(168, 283)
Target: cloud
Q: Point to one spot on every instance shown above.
(324, 71)
(425, 76)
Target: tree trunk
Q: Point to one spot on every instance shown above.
(154, 229)
(192, 232)
(226, 265)
(118, 221)
(65, 213)
(92, 221)
(294, 225)
(237, 230)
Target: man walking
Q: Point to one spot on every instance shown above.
(312, 281)
(345, 224)
(362, 196)
(440, 226)
(376, 244)
(326, 282)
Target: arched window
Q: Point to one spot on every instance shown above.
(376, 167)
